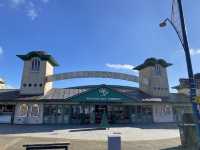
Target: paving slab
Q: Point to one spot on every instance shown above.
(128, 133)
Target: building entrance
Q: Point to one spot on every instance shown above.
(93, 114)
(56, 114)
(99, 111)
(6, 113)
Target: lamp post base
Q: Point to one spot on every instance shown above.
(188, 132)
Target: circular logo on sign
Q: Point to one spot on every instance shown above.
(103, 92)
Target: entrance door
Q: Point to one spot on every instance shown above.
(53, 114)
(99, 110)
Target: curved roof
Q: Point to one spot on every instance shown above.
(41, 54)
(152, 62)
(65, 94)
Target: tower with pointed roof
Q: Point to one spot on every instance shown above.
(153, 78)
(37, 65)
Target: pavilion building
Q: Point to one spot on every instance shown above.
(38, 102)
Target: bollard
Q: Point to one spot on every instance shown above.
(114, 142)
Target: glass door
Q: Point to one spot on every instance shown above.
(53, 114)
(99, 110)
(59, 114)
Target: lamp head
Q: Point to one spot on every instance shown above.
(163, 24)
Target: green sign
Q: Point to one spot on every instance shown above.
(101, 94)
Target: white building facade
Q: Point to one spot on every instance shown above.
(38, 102)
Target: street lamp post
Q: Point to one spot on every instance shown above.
(184, 42)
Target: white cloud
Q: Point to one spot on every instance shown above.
(30, 7)
(32, 10)
(195, 51)
(1, 50)
(5, 85)
(17, 2)
(121, 66)
(32, 13)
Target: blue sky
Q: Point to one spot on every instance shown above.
(110, 35)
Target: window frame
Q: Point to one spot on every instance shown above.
(157, 70)
(38, 110)
(35, 64)
(20, 110)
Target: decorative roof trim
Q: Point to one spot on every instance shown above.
(41, 54)
(152, 62)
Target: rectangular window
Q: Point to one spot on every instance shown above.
(23, 110)
(157, 70)
(35, 110)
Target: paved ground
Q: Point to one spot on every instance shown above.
(151, 137)
(11, 143)
(128, 133)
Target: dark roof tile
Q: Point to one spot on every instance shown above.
(42, 54)
(64, 94)
(152, 62)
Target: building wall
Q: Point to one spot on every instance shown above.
(160, 85)
(28, 119)
(144, 79)
(154, 84)
(36, 77)
(186, 91)
(163, 113)
(49, 71)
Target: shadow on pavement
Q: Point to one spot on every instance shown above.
(19, 129)
(173, 148)
(86, 129)
(179, 148)
(156, 126)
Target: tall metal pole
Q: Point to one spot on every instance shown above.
(190, 70)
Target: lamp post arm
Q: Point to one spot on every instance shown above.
(175, 31)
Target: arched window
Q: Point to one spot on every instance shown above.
(35, 64)
(157, 70)
(35, 110)
(23, 110)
